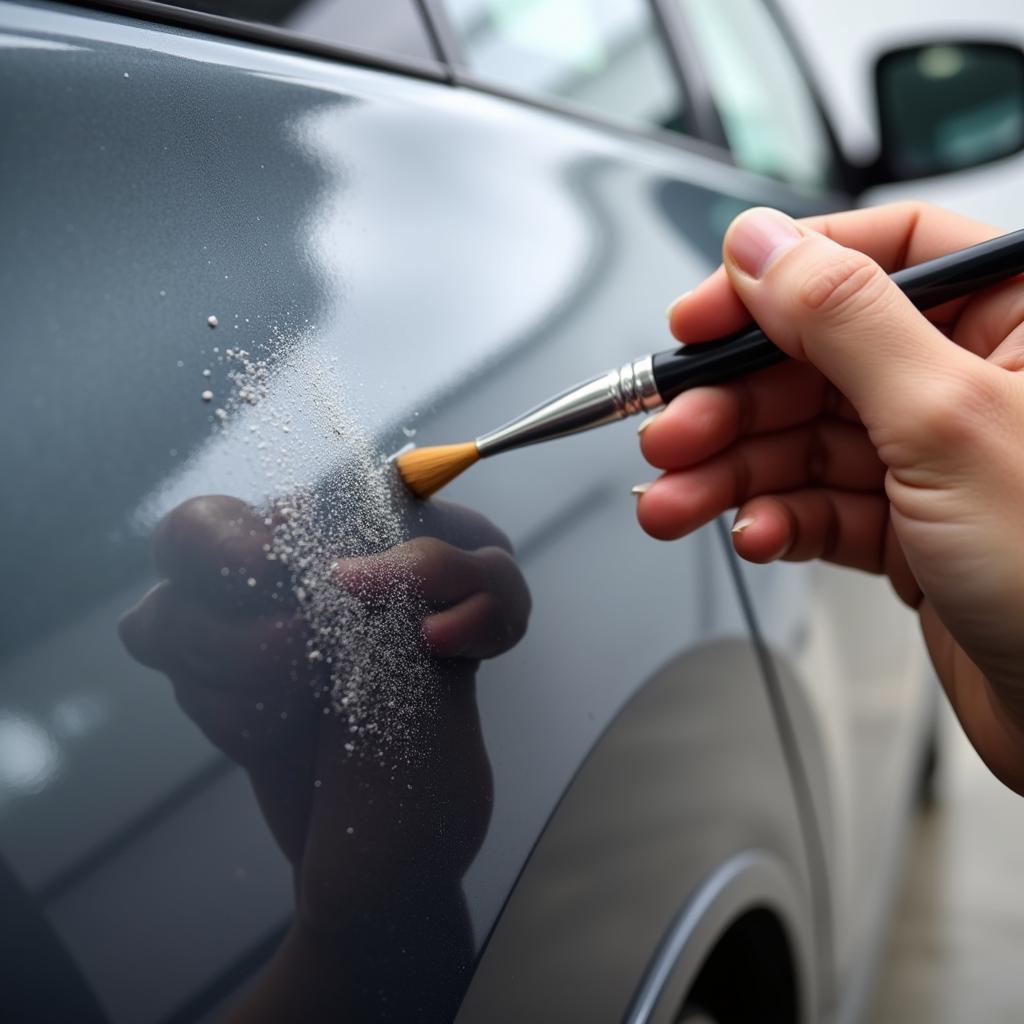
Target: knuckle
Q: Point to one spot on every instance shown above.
(507, 588)
(519, 612)
(414, 563)
(426, 554)
(908, 209)
(495, 568)
(957, 410)
(494, 560)
(845, 286)
(490, 614)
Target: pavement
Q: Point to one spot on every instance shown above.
(956, 944)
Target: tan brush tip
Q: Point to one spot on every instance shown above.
(426, 470)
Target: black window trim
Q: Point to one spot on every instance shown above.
(444, 34)
(847, 183)
(282, 39)
(849, 178)
(703, 115)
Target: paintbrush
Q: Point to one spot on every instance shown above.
(651, 381)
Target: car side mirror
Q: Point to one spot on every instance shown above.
(947, 106)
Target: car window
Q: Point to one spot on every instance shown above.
(604, 55)
(393, 27)
(771, 123)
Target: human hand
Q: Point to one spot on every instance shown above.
(892, 443)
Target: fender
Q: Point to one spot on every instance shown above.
(689, 774)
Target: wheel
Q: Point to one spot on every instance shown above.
(695, 1015)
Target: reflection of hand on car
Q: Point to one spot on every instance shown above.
(224, 626)
(378, 840)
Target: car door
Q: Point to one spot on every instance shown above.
(238, 274)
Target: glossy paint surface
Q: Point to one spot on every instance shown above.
(396, 259)
(688, 769)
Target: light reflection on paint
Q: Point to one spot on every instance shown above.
(19, 42)
(78, 716)
(29, 757)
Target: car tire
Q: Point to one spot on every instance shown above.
(695, 1015)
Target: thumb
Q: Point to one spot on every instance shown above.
(837, 309)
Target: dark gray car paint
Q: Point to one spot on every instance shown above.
(688, 771)
(462, 256)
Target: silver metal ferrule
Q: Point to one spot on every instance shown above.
(611, 396)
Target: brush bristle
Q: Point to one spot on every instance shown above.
(426, 470)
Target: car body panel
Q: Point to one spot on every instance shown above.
(419, 259)
(687, 774)
(861, 695)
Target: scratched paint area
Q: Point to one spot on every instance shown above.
(332, 496)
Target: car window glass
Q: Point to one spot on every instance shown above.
(770, 121)
(605, 55)
(394, 27)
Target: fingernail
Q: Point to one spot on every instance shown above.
(672, 305)
(741, 524)
(646, 423)
(757, 238)
(640, 489)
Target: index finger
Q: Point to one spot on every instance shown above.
(894, 236)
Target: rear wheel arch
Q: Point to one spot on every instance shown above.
(681, 820)
(738, 952)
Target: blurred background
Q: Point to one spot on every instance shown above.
(841, 42)
(953, 952)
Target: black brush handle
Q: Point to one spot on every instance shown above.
(926, 285)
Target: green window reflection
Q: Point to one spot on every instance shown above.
(605, 56)
(769, 118)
